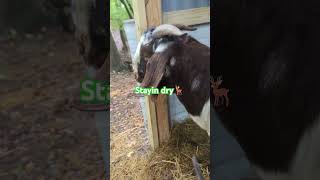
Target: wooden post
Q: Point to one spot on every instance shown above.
(149, 15)
(140, 18)
(163, 118)
(154, 13)
(154, 18)
(152, 123)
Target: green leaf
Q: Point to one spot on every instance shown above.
(117, 14)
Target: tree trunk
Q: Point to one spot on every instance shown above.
(127, 9)
(130, 6)
(124, 41)
(115, 59)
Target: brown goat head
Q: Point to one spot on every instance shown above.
(160, 65)
(155, 69)
(147, 46)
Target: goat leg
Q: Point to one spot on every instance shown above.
(197, 168)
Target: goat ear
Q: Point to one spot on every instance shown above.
(184, 27)
(155, 69)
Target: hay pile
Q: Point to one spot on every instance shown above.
(171, 160)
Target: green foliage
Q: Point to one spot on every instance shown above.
(117, 14)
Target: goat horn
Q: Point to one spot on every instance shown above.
(184, 27)
(166, 29)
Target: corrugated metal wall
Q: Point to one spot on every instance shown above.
(170, 5)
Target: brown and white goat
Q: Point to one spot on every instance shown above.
(93, 44)
(178, 60)
(148, 44)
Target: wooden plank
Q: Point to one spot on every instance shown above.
(139, 13)
(154, 13)
(163, 118)
(141, 25)
(154, 18)
(152, 122)
(188, 16)
(149, 15)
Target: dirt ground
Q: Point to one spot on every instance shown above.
(129, 141)
(41, 138)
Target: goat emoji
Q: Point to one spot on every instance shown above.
(178, 90)
(219, 93)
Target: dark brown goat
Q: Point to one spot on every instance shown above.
(93, 43)
(147, 46)
(181, 61)
(90, 32)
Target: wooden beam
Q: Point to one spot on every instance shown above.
(163, 118)
(146, 16)
(154, 13)
(140, 18)
(154, 18)
(188, 16)
(139, 13)
(152, 123)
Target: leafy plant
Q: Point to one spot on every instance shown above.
(120, 10)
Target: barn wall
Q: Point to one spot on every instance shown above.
(177, 111)
(175, 5)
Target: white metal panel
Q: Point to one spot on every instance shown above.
(176, 5)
